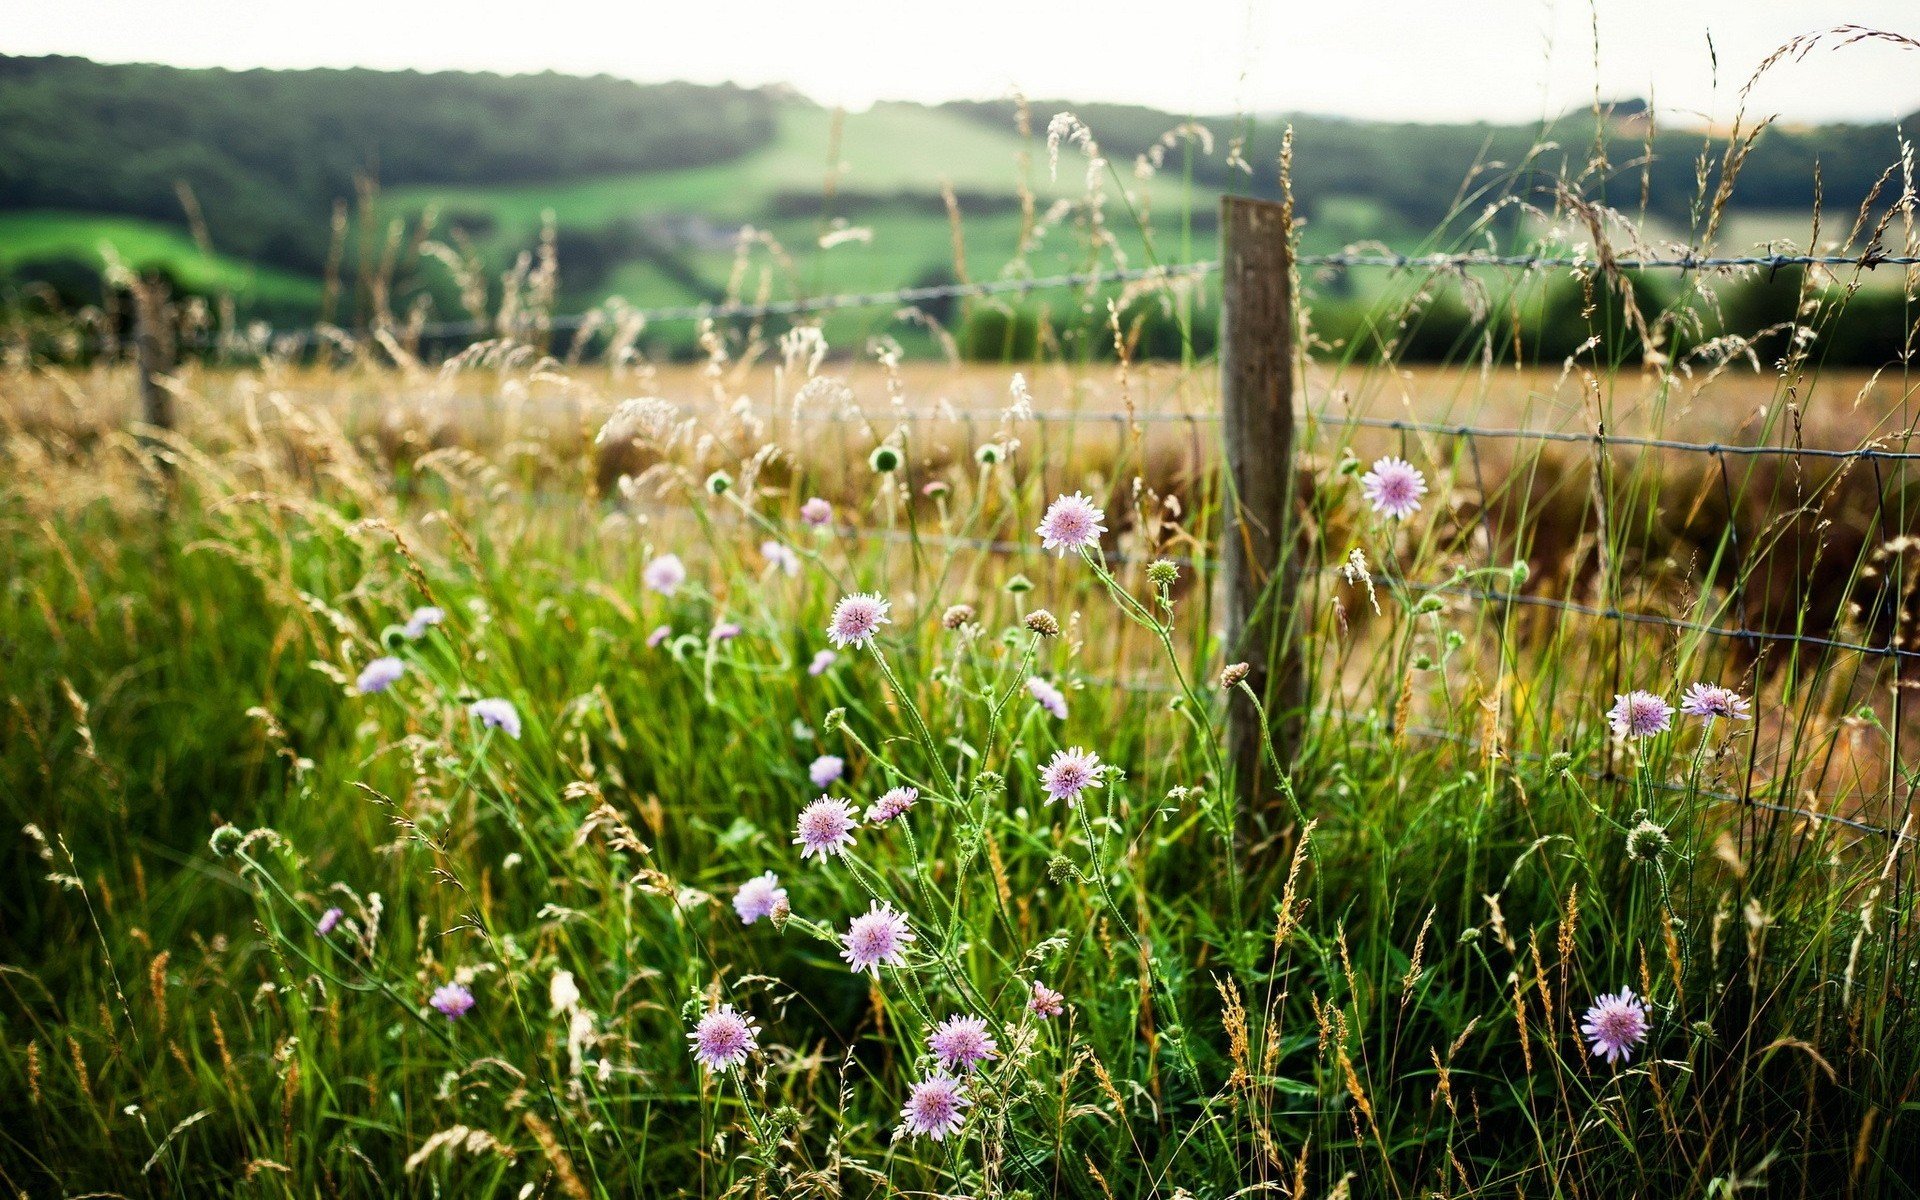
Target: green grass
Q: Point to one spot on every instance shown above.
(25, 236)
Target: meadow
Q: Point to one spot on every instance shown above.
(546, 768)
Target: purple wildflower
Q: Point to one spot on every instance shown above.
(665, 574)
(821, 661)
(826, 828)
(935, 1108)
(780, 557)
(826, 769)
(422, 620)
(1072, 523)
(891, 805)
(1639, 714)
(724, 1038)
(876, 937)
(328, 921)
(1070, 773)
(962, 1043)
(496, 713)
(1710, 700)
(380, 674)
(1394, 487)
(856, 619)
(660, 634)
(817, 513)
(1615, 1025)
(1046, 1003)
(451, 1000)
(1050, 697)
(759, 897)
(725, 631)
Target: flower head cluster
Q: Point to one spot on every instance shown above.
(1071, 523)
(876, 938)
(1639, 715)
(451, 1000)
(826, 769)
(660, 634)
(328, 922)
(379, 675)
(724, 1038)
(821, 661)
(817, 513)
(1048, 696)
(495, 713)
(1046, 1003)
(725, 631)
(857, 618)
(1394, 487)
(780, 557)
(759, 897)
(826, 828)
(891, 805)
(1710, 701)
(1070, 773)
(962, 1043)
(934, 1108)
(423, 619)
(1615, 1025)
(665, 574)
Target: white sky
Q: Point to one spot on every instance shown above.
(1427, 60)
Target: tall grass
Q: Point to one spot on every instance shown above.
(1367, 980)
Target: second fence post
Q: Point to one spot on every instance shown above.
(1260, 565)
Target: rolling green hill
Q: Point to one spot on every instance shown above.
(669, 194)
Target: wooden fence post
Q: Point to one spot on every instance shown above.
(153, 356)
(1261, 566)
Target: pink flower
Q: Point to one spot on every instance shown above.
(495, 713)
(877, 937)
(856, 619)
(1072, 523)
(665, 574)
(380, 674)
(935, 1108)
(779, 557)
(826, 769)
(451, 1000)
(759, 897)
(821, 661)
(1707, 700)
(1615, 1025)
(962, 1043)
(724, 1038)
(894, 804)
(1070, 773)
(1046, 1003)
(1394, 487)
(660, 634)
(1050, 697)
(328, 920)
(725, 631)
(817, 513)
(1639, 714)
(826, 828)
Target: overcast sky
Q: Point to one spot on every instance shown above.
(1429, 60)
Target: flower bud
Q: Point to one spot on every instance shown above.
(1043, 623)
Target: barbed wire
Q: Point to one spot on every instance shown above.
(902, 296)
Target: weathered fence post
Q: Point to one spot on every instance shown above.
(1261, 568)
(153, 351)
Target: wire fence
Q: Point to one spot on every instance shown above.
(1884, 455)
(528, 322)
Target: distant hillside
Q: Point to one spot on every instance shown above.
(267, 153)
(653, 186)
(1418, 171)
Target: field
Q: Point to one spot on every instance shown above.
(279, 834)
